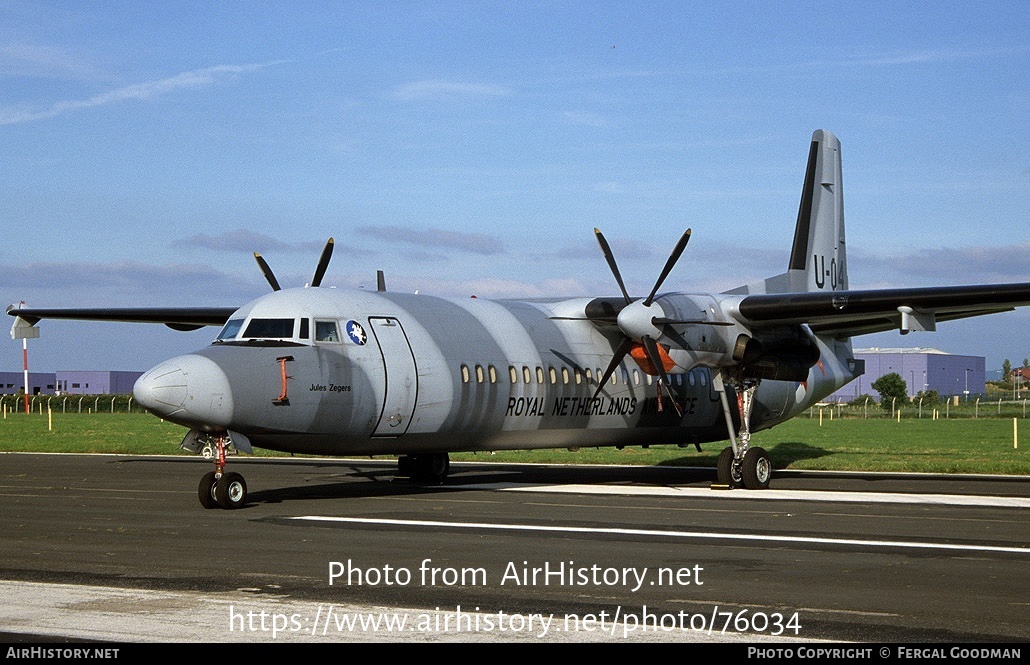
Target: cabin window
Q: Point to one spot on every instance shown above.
(514, 374)
(691, 378)
(492, 373)
(231, 329)
(579, 376)
(269, 329)
(704, 378)
(539, 374)
(526, 375)
(479, 373)
(565, 375)
(636, 377)
(589, 375)
(552, 374)
(464, 373)
(326, 331)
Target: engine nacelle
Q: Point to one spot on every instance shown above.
(783, 354)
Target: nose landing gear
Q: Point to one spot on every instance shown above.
(219, 489)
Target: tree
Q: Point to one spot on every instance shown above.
(929, 397)
(892, 388)
(1006, 370)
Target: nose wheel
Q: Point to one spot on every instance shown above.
(221, 489)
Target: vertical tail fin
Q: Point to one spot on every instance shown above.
(819, 249)
(818, 259)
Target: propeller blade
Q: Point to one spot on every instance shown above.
(662, 321)
(673, 258)
(610, 258)
(620, 353)
(266, 271)
(323, 263)
(651, 347)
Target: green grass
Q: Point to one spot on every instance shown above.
(959, 445)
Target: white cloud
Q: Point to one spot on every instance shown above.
(137, 92)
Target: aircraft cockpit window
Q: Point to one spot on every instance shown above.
(326, 331)
(269, 329)
(231, 329)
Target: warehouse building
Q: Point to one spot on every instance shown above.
(921, 369)
(70, 383)
(40, 383)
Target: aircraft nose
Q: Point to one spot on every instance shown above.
(189, 390)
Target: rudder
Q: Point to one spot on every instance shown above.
(818, 260)
(819, 246)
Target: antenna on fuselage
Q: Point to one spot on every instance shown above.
(380, 281)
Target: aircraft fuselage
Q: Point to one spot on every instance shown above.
(333, 372)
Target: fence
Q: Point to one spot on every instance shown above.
(70, 404)
(920, 408)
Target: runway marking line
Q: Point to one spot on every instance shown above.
(761, 495)
(664, 534)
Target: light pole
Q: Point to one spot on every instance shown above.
(967, 383)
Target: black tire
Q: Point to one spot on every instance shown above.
(756, 469)
(206, 490)
(231, 491)
(432, 468)
(726, 473)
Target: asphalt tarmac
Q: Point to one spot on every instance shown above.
(119, 549)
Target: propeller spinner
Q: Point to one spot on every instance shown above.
(639, 319)
(323, 263)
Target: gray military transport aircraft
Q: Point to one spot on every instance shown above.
(359, 372)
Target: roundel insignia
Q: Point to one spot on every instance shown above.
(356, 333)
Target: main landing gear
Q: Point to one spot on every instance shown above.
(425, 468)
(219, 489)
(740, 465)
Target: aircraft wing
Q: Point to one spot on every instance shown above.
(846, 313)
(177, 318)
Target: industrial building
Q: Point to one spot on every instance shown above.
(70, 382)
(40, 383)
(921, 369)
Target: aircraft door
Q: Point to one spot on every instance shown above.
(401, 376)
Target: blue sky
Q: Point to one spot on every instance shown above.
(148, 149)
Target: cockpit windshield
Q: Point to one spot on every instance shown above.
(230, 330)
(263, 330)
(269, 329)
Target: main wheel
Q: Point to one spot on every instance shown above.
(231, 491)
(206, 490)
(756, 469)
(432, 468)
(726, 472)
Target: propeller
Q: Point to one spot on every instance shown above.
(266, 271)
(323, 264)
(639, 319)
